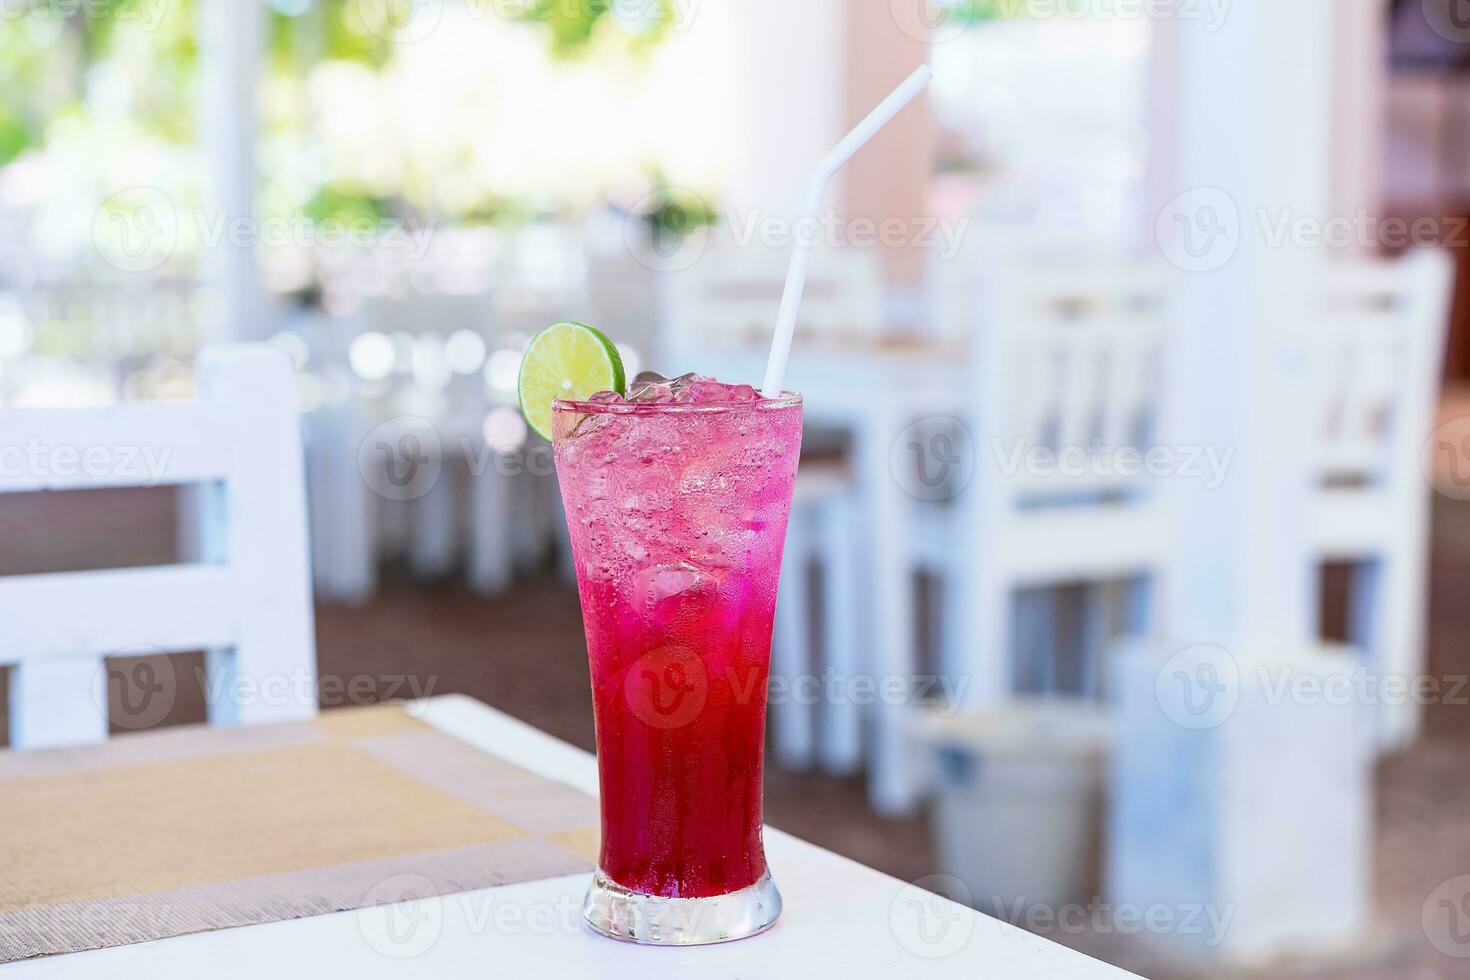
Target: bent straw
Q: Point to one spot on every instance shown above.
(801, 258)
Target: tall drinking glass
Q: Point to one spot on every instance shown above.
(677, 514)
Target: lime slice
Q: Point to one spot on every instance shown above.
(566, 360)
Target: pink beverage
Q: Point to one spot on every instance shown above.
(677, 505)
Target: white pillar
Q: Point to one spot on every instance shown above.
(1228, 790)
(231, 41)
(891, 178)
(1360, 106)
(1252, 140)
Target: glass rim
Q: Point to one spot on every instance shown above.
(788, 399)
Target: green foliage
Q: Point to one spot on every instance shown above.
(574, 24)
(15, 136)
(676, 211)
(346, 204)
(97, 24)
(56, 56)
(166, 91)
(328, 30)
(46, 55)
(979, 11)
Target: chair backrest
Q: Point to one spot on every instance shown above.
(953, 279)
(1376, 355)
(1072, 358)
(732, 294)
(244, 598)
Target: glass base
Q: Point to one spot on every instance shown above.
(649, 920)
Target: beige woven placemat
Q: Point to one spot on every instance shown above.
(191, 829)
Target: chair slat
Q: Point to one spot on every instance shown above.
(1088, 370)
(1371, 334)
(245, 600)
(174, 607)
(106, 447)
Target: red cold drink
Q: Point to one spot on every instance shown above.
(677, 505)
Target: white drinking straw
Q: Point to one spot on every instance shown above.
(801, 258)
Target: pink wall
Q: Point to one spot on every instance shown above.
(892, 176)
(1359, 106)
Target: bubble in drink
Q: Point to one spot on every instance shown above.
(663, 581)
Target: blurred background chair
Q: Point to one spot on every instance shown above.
(1055, 543)
(1376, 353)
(244, 596)
(1068, 370)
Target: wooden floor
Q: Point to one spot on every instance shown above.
(524, 654)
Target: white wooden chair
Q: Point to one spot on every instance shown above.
(1376, 356)
(1037, 336)
(245, 600)
(1067, 361)
(1062, 355)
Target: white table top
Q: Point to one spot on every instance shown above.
(840, 920)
